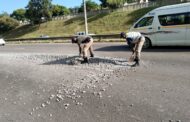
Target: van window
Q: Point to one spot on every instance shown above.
(188, 18)
(147, 21)
(173, 19)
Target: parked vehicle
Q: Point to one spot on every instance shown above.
(80, 33)
(166, 26)
(44, 36)
(2, 42)
(83, 33)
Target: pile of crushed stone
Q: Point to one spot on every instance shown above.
(73, 60)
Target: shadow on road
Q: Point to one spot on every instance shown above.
(152, 49)
(65, 60)
(76, 60)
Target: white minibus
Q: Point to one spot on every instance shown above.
(2, 42)
(166, 26)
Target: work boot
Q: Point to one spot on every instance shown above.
(136, 62)
(92, 55)
(85, 61)
(136, 59)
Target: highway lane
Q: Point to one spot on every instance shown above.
(38, 84)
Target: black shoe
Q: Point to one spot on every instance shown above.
(136, 59)
(92, 55)
(85, 61)
(136, 63)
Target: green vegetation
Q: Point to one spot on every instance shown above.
(58, 10)
(38, 11)
(113, 4)
(7, 23)
(114, 22)
(19, 14)
(90, 6)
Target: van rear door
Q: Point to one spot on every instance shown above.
(171, 27)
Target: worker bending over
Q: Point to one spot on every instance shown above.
(135, 41)
(84, 43)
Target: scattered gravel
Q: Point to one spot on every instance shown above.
(95, 81)
(82, 79)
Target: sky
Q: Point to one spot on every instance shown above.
(10, 5)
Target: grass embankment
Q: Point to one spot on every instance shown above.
(114, 22)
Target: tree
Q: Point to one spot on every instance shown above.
(104, 3)
(4, 14)
(90, 6)
(19, 14)
(7, 23)
(117, 3)
(38, 11)
(58, 10)
(74, 10)
(112, 3)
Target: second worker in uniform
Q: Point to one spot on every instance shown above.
(135, 41)
(84, 43)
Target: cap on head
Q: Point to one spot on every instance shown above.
(123, 35)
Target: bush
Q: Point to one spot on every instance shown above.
(7, 23)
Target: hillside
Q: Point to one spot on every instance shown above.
(114, 22)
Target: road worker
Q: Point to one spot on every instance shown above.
(84, 43)
(135, 41)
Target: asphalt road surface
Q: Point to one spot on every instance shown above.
(47, 83)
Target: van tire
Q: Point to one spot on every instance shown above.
(147, 43)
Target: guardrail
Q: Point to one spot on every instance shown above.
(98, 37)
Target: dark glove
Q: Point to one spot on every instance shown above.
(74, 40)
(92, 55)
(129, 41)
(131, 45)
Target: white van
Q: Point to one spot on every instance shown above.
(2, 42)
(166, 26)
